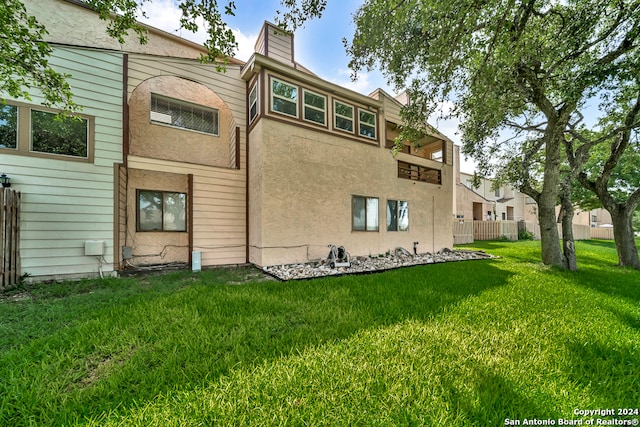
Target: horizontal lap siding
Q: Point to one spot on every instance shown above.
(219, 199)
(65, 203)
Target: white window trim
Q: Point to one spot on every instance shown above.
(336, 115)
(374, 126)
(313, 107)
(276, 96)
(256, 103)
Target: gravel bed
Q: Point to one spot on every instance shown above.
(360, 265)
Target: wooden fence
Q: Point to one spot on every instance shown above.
(9, 238)
(492, 230)
(602, 233)
(462, 231)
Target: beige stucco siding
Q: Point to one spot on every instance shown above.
(219, 196)
(76, 25)
(307, 181)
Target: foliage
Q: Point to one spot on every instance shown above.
(24, 59)
(525, 235)
(523, 66)
(454, 344)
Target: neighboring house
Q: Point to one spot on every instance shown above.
(487, 202)
(266, 163)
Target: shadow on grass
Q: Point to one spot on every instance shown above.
(139, 343)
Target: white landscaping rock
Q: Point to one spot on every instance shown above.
(399, 258)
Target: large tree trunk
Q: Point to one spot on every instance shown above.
(568, 242)
(623, 235)
(549, 239)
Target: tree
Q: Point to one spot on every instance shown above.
(24, 51)
(607, 165)
(24, 61)
(525, 65)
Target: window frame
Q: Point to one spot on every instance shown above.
(336, 116)
(366, 199)
(313, 107)
(373, 126)
(192, 105)
(275, 96)
(162, 230)
(256, 102)
(24, 137)
(397, 217)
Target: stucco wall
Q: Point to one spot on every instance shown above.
(306, 183)
(155, 247)
(169, 143)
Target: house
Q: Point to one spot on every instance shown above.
(487, 202)
(321, 169)
(176, 163)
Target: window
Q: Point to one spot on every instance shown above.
(42, 132)
(397, 215)
(253, 103)
(183, 115)
(497, 192)
(365, 213)
(367, 124)
(284, 98)
(9, 126)
(162, 211)
(59, 135)
(315, 107)
(419, 173)
(343, 116)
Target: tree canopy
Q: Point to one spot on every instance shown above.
(24, 52)
(526, 67)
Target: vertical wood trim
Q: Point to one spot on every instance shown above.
(238, 147)
(246, 169)
(190, 216)
(125, 109)
(116, 216)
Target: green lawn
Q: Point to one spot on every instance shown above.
(475, 343)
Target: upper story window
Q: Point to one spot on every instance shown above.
(315, 107)
(367, 124)
(9, 126)
(343, 116)
(38, 132)
(284, 98)
(184, 115)
(253, 103)
(52, 134)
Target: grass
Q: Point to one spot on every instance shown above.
(461, 344)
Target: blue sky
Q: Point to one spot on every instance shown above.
(318, 46)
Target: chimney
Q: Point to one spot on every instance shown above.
(276, 44)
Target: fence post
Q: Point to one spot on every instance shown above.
(9, 238)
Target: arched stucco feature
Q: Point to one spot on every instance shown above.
(153, 140)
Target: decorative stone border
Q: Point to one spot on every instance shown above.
(360, 265)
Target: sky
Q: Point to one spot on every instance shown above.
(318, 46)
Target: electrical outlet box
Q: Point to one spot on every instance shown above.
(94, 247)
(127, 252)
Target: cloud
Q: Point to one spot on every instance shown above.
(165, 15)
